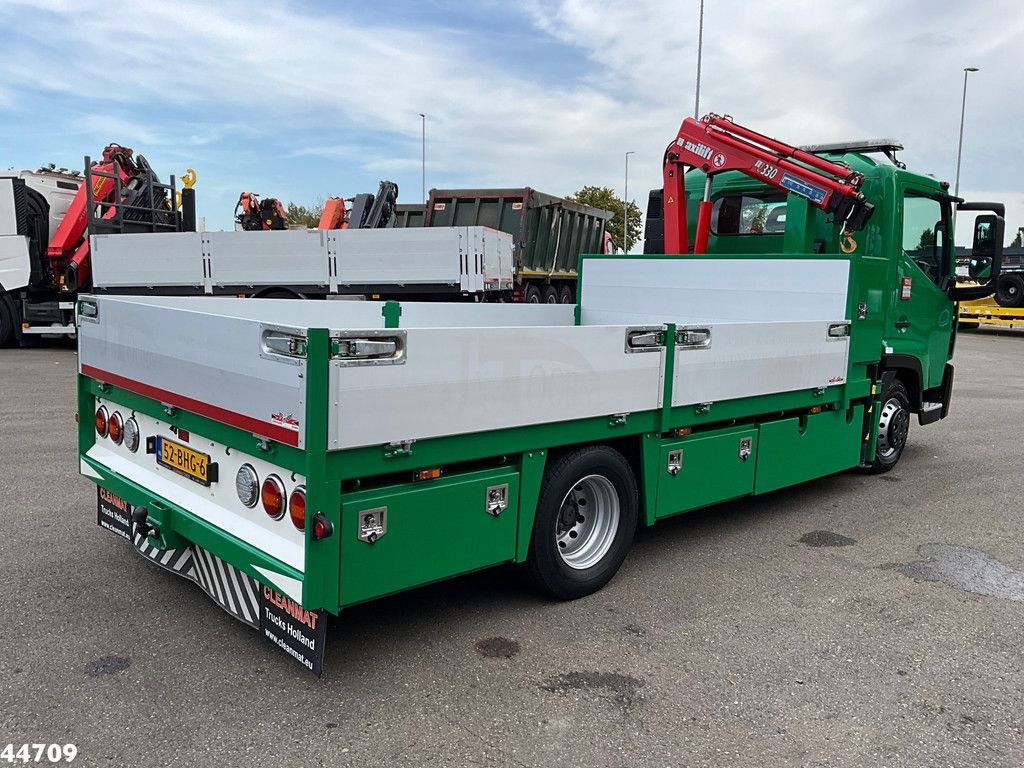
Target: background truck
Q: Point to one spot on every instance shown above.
(295, 458)
(549, 234)
(46, 217)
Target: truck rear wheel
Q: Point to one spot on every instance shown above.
(550, 294)
(893, 427)
(8, 320)
(533, 295)
(565, 295)
(1010, 290)
(586, 517)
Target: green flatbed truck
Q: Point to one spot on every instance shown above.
(296, 458)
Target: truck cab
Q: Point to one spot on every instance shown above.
(904, 294)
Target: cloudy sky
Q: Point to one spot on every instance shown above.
(301, 100)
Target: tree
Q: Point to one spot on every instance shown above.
(1017, 240)
(605, 199)
(302, 216)
(927, 239)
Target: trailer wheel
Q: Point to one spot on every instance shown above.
(1010, 290)
(533, 295)
(550, 295)
(565, 295)
(8, 320)
(893, 427)
(586, 517)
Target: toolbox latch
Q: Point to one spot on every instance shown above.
(496, 499)
(373, 524)
(675, 462)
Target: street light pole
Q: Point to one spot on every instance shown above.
(423, 156)
(700, 50)
(625, 207)
(960, 145)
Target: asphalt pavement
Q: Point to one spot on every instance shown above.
(850, 621)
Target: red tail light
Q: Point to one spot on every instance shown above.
(322, 527)
(101, 421)
(115, 427)
(297, 508)
(272, 496)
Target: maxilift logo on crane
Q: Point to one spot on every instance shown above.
(700, 150)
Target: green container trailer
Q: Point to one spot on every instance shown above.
(550, 234)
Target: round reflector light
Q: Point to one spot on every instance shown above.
(101, 421)
(297, 508)
(272, 495)
(247, 485)
(115, 427)
(131, 434)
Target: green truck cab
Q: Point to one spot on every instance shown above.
(905, 258)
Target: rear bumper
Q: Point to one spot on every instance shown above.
(242, 581)
(179, 527)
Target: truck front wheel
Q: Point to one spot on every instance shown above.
(586, 517)
(893, 427)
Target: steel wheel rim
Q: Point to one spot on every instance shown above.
(893, 426)
(587, 522)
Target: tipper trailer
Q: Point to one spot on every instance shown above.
(295, 458)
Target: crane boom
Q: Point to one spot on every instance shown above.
(716, 144)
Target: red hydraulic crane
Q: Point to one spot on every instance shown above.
(716, 144)
(68, 249)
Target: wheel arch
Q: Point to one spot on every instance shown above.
(533, 465)
(907, 369)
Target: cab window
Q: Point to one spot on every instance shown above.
(749, 215)
(925, 239)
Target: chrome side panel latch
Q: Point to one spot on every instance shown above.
(496, 499)
(373, 523)
(746, 447)
(675, 462)
(369, 348)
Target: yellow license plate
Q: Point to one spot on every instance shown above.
(183, 460)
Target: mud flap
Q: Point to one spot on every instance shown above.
(298, 632)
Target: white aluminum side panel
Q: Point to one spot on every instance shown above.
(444, 314)
(409, 257)
(747, 359)
(15, 267)
(499, 265)
(147, 260)
(213, 359)
(464, 380)
(286, 257)
(8, 215)
(697, 290)
(218, 504)
(288, 312)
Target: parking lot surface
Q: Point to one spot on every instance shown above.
(851, 621)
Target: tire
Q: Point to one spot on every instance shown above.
(550, 294)
(893, 427)
(586, 518)
(1010, 290)
(533, 295)
(566, 295)
(8, 320)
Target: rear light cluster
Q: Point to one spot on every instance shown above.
(272, 495)
(121, 431)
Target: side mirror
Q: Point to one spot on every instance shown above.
(986, 253)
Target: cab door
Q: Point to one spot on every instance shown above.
(921, 320)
